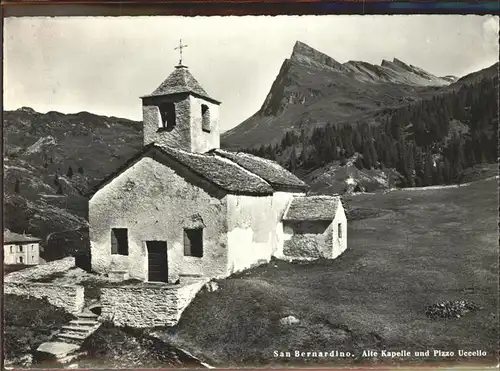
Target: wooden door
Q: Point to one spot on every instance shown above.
(157, 261)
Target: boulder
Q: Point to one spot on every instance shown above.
(289, 320)
(56, 350)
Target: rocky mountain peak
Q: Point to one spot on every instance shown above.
(396, 63)
(303, 53)
(301, 48)
(401, 64)
(385, 63)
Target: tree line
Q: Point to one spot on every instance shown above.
(428, 142)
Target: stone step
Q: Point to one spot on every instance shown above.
(71, 341)
(77, 334)
(84, 322)
(82, 330)
(87, 315)
(65, 333)
(72, 336)
(79, 329)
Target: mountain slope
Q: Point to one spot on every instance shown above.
(312, 89)
(355, 126)
(50, 160)
(429, 142)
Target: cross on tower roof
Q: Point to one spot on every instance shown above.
(180, 47)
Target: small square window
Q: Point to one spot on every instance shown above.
(193, 242)
(119, 241)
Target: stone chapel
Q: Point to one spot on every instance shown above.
(183, 207)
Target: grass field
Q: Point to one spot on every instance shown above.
(112, 347)
(424, 247)
(28, 323)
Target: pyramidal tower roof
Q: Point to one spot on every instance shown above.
(181, 81)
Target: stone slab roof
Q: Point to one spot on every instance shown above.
(181, 81)
(311, 208)
(222, 172)
(11, 237)
(219, 171)
(270, 171)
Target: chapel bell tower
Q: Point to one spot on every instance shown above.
(180, 114)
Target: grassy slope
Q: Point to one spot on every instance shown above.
(39, 146)
(425, 247)
(112, 347)
(28, 323)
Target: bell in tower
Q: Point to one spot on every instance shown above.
(180, 114)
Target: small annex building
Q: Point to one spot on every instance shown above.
(20, 249)
(314, 227)
(183, 207)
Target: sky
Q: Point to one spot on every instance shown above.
(104, 64)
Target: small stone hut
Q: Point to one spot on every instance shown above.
(315, 227)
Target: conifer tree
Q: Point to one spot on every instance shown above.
(438, 174)
(446, 171)
(428, 169)
(17, 186)
(367, 159)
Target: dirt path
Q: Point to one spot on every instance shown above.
(442, 186)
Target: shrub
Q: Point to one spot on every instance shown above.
(450, 309)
